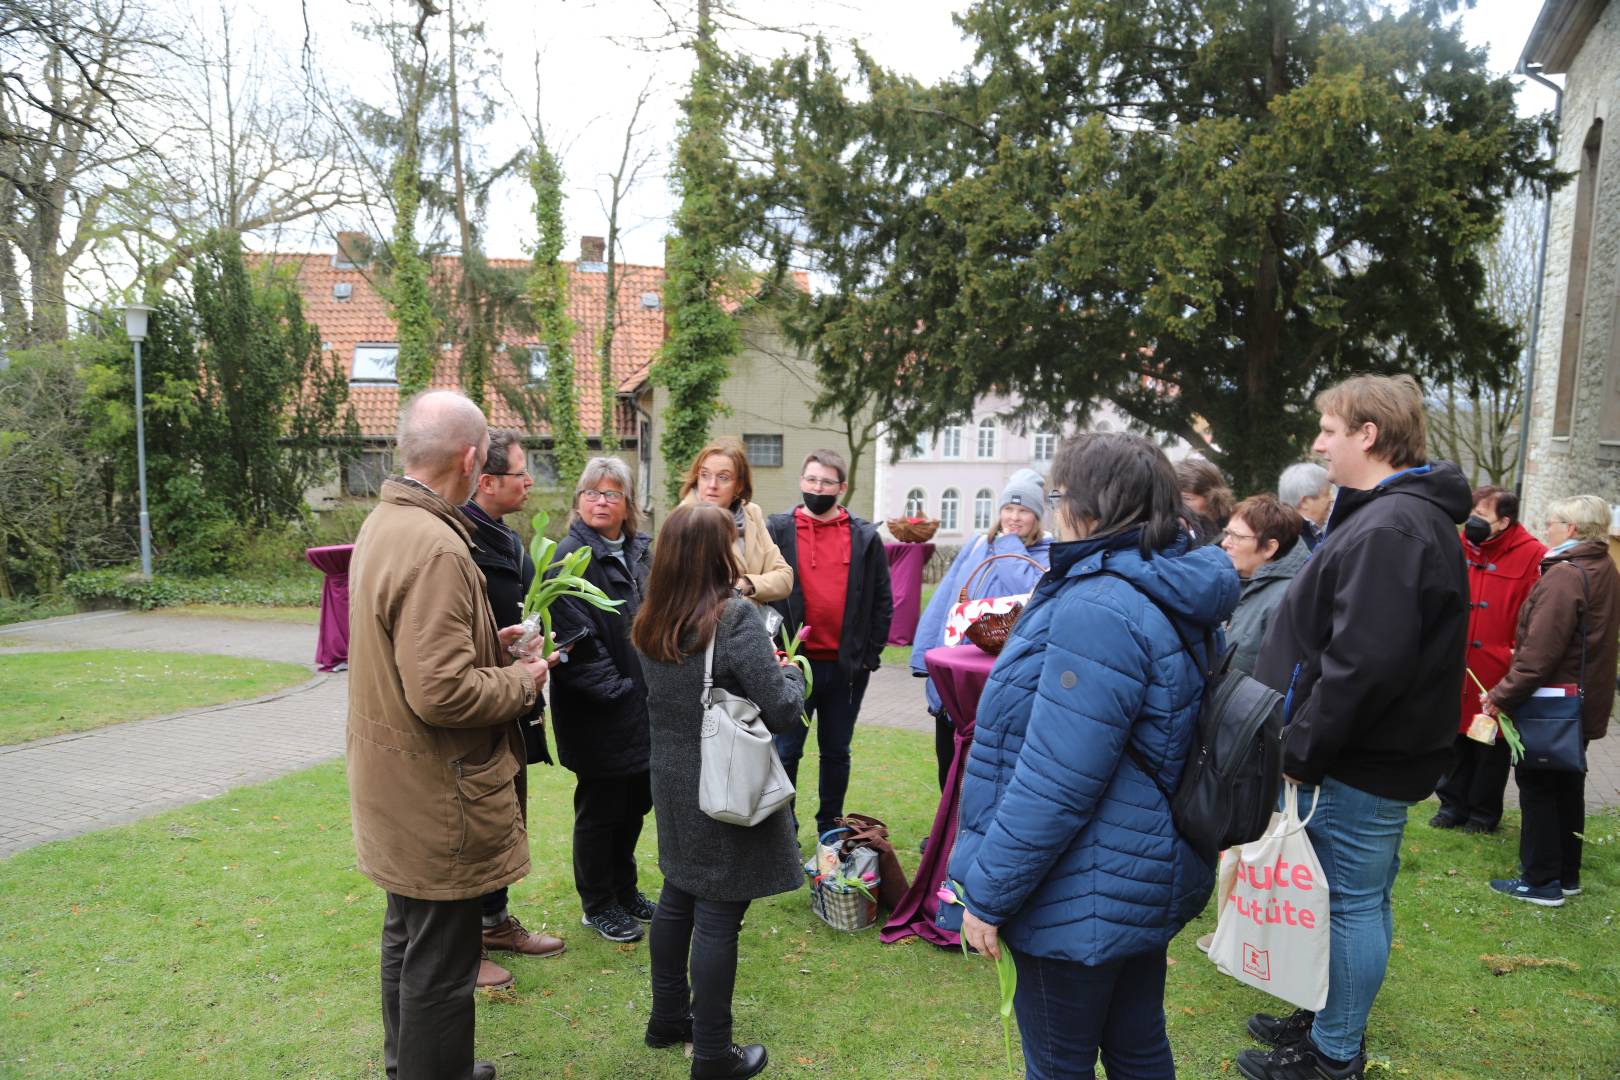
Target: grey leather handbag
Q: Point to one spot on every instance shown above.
(742, 781)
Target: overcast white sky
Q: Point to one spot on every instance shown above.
(592, 69)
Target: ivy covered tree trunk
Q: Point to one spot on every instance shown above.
(703, 337)
(548, 299)
(407, 293)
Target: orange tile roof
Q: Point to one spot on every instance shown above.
(364, 319)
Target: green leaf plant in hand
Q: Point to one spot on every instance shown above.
(568, 582)
(790, 649)
(1006, 971)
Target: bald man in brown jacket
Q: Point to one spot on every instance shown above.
(435, 753)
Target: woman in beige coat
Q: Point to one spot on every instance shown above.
(720, 476)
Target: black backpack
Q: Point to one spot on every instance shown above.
(1233, 773)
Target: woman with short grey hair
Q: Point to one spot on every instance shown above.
(599, 702)
(1305, 487)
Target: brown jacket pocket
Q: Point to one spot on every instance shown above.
(490, 811)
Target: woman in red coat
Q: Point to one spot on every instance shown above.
(1503, 566)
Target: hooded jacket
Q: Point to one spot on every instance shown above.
(868, 600)
(1550, 625)
(1258, 600)
(1367, 645)
(598, 698)
(1501, 573)
(435, 756)
(1064, 842)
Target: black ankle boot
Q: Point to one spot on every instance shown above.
(660, 1036)
(737, 1063)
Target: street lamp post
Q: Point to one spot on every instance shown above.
(135, 316)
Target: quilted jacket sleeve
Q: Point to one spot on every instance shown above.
(1090, 690)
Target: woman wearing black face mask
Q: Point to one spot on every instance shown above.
(1503, 566)
(841, 598)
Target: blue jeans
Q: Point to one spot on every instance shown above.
(1357, 837)
(1067, 1011)
(833, 704)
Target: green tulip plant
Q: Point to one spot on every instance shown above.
(569, 581)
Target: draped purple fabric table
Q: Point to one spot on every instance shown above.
(332, 645)
(906, 562)
(959, 673)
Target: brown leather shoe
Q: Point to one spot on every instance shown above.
(491, 976)
(510, 936)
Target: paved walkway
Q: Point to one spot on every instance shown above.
(72, 784)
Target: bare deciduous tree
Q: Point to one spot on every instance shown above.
(72, 72)
(1477, 424)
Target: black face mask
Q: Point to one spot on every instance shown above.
(1477, 530)
(818, 502)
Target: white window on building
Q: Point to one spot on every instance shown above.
(543, 468)
(984, 504)
(916, 503)
(375, 363)
(1045, 445)
(764, 451)
(536, 362)
(363, 475)
(950, 442)
(949, 505)
(987, 437)
(917, 449)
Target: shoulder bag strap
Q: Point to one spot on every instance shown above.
(708, 667)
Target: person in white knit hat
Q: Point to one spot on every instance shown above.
(1018, 530)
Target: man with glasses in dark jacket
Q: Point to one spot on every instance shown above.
(1367, 646)
(841, 597)
(503, 487)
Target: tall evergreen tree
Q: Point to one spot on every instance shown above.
(1203, 212)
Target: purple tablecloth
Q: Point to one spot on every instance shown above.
(906, 562)
(332, 646)
(959, 673)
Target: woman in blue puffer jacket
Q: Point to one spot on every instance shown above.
(1066, 851)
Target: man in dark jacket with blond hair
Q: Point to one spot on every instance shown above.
(1367, 646)
(435, 754)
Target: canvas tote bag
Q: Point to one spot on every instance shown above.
(1273, 931)
(741, 781)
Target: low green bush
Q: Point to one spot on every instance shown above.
(120, 587)
(28, 608)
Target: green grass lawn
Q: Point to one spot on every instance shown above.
(309, 615)
(235, 939)
(58, 693)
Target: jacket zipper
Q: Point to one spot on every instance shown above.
(1288, 698)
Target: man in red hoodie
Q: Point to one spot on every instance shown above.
(842, 600)
(1504, 563)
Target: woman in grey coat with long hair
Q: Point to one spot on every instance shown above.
(712, 870)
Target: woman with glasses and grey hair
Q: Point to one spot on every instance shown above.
(599, 702)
